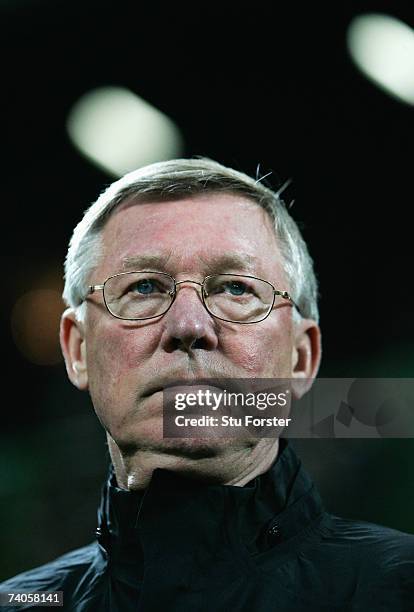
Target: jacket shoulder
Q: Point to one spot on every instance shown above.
(382, 549)
(54, 575)
(368, 566)
(365, 533)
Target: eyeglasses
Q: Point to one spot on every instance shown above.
(136, 296)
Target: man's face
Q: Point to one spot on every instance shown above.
(191, 239)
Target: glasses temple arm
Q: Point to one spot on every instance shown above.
(286, 296)
(92, 289)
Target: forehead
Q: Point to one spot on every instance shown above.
(205, 233)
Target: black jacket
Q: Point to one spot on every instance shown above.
(265, 547)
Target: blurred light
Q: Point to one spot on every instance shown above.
(35, 325)
(120, 131)
(383, 49)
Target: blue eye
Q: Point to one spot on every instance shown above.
(236, 288)
(145, 286)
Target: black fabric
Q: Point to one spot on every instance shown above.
(269, 546)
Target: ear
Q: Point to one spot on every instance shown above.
(73, 344)
(306, 355)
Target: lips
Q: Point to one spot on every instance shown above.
(182, 382)
(162, 386)
(151, 391)
(191, 383)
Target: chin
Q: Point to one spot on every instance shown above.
(148, 437)
(199, 448)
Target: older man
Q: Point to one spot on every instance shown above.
(181, 271)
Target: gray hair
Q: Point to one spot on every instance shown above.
(174, 180)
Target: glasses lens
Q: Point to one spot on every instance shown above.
(138, 295)
(241, 299)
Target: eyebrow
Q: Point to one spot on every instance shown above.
(227, 261)
(145, 261)
(230, 261)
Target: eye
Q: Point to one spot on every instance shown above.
(144, 286)
(235, 287)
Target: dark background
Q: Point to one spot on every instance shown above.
(271, 84)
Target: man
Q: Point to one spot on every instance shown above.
(182, 271)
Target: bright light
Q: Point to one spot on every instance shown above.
(120, 131)
(383, 49)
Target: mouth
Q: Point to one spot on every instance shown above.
(181, 384)
(162, 387)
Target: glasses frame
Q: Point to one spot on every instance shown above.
(284, 294)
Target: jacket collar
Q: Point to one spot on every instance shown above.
(175, 513)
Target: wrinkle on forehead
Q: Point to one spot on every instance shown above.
(211, 232)
(227, 198)
(212, 263)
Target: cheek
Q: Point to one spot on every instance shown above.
(116, 348)
(264, 352)
(114, 359)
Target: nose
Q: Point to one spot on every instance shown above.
(187, 325)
